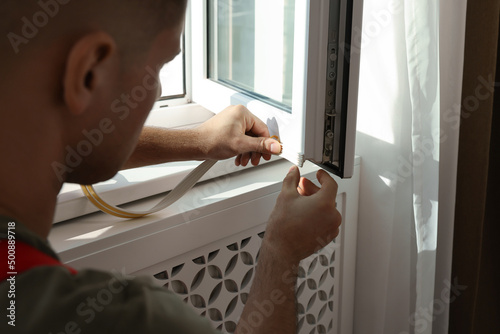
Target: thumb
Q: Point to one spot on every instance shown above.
(328, 184)
(291, 181)
(261, 145)
(272, 146)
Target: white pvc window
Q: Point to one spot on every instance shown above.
(274, 57)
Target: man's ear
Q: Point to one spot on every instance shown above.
(86, 65)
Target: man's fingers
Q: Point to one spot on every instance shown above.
(237, 161)
(255, 158)
(291, 181)
(245, 158)
(306, 187)
(328, 184)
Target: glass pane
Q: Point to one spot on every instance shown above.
(172, 78)
(251, 45)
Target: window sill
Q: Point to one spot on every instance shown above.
(211, 211)
(138, 183)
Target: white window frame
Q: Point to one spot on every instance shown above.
(301, 132)
(160, 105)
(216, 97)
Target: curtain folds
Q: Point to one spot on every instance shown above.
(421, 20)
(408, 116)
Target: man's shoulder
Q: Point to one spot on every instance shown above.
(49, 299)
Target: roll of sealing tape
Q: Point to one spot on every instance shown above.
(182, 188)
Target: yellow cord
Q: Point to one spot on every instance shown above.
(93, 197)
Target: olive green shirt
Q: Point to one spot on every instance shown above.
(50, 300)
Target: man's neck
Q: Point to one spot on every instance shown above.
(28, 200)
(28, 185)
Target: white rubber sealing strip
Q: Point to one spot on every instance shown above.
(182, 188)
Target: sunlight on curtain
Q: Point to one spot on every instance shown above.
(422, 49)
(401, 269)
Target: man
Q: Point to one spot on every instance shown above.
(61, 73)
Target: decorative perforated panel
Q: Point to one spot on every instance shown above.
(215, 280)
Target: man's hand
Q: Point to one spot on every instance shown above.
(234, 132)
(305, 217)
(237, 132)
(304, 220)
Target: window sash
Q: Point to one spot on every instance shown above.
(215, 96)
(302, 133)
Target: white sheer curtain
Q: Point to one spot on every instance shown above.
(410, 85)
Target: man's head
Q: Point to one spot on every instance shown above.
(81, 76)
(132, 23)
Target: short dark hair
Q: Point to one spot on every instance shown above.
(132, 23)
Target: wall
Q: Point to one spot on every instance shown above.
(476, 248)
